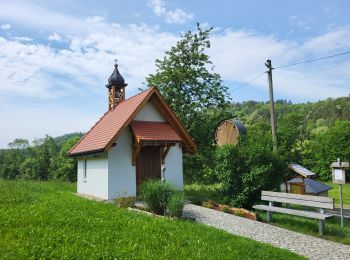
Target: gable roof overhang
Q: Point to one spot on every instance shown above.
(112, 124)
(154, 131)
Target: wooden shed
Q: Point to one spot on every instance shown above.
(301, 181)
(228, 131)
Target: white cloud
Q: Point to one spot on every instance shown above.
(95, 19)
(22, 39)
(5, 26)
(38, 71)
(333, 40)
(55, 37)
(178, 16)
(240, 55)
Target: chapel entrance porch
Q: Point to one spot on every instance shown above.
(148, 164)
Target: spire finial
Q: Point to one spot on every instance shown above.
(116, 63)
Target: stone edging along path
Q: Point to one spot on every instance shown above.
(309, 246)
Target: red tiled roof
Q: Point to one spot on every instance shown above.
(155, 131)
(108, 126)
(102, 135)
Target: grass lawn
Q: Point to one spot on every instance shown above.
(333, 230)
(197, 193)
(334, 193)
(46, 220)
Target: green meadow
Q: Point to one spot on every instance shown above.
(47, 220)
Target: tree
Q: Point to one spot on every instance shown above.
(186, 78)
(326, 146)
(248, 168)
(66, 167)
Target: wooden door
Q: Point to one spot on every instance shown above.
(148, 165)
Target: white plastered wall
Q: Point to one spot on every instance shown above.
(96, 182)
(150, 113)
(121, 172)
(174, 167)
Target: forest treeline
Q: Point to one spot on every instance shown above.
(43, 159)
(311, 134)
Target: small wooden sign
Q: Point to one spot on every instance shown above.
(338, 175)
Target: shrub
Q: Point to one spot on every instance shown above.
(247, 169)
(176, 204)
(208, 204)
(226, 209)
(125, 202)
(156, 194)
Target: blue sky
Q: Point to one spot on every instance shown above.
(56, 56)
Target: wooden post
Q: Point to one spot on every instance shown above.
(165, 153)
(272, 105)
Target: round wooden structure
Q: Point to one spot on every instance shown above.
(228, 131)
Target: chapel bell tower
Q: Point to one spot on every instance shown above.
(116, 88)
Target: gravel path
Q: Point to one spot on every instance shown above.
(311, 247)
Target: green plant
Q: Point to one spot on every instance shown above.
(176, 204)
(226, 209)
(125, 202)
(208, 204)
(46, 220)
(156, 194)
(248, 168)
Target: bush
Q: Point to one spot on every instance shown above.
(156, 194)
(176, 204)
(126, 202)
(162, 198)
(247, 169)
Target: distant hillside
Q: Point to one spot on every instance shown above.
(325, 112)
(63, 138)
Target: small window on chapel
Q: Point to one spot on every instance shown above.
(84, 170)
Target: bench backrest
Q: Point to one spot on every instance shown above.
(297, 199)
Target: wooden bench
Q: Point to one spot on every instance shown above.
(321, 203)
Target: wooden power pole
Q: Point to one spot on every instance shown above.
(272, 105)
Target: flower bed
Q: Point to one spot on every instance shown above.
(227, 209)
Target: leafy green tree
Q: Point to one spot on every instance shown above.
(248, 168)
(290, 136)
(13, 158)
(186, 78)
(40, 160)
(66, 167)
(325, 147)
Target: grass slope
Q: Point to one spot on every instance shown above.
(334, 193)
(333, 231)
(46, 220)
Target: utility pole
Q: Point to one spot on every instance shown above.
(272, 105)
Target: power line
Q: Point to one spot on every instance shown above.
(247, 82)
(307, 61)
(289, 65)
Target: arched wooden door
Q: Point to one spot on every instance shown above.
(148, 165)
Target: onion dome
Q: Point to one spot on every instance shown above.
(116, 79)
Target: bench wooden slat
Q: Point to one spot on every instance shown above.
(316, 204)
(294, 212)
(297, 196)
